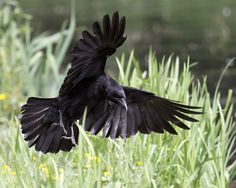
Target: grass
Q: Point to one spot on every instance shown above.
(29, 62)
(30, 65)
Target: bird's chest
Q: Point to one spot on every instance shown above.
(74, 105)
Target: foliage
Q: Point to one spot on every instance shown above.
(197, 158)
(28, 63)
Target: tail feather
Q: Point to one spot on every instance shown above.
(30, 123)
(49, 136)
(40, 101)
(41, 126)
(39, 142)
(33, 141)
(56, 141)
(29, 127)
(28, 120)
(31, 134)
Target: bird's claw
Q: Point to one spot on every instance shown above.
(72, 137)
(64, 130)
(62, 124)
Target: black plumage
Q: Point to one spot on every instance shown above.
(118, 111)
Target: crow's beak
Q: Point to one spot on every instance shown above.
(122, 102)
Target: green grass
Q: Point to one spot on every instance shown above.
(30, 65)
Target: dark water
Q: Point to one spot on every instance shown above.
(205, 30)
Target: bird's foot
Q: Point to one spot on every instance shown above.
(62, 124)
(72, 137)
(64, 130)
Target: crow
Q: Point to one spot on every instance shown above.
(119, 111)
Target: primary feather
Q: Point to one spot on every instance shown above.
(91, 52)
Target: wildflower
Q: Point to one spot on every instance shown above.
(3, 96)
(97, 159)
(44, 169)
(92, 158)
(34, 158)
(139, 163)
(8, 170)
(13, 173)
(106, 173)
(6, 167)
(41, 165)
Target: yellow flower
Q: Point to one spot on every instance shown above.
(97, 159)
(3, 96)
(106, 173)
(34, 158)
(13, 173)
(61, 170)
(44, 169)
(8, 170)
(140, 163)
(42, 165)
(92, 158)
(6, 167)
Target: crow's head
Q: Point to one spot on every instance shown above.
(115, 93)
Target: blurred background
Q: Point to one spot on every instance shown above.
(34, 38)
(203, 30)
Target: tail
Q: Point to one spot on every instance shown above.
(44, 126)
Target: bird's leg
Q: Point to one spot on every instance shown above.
(61, 123)
(72, 137)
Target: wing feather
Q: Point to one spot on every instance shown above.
(123, 124)
(108, 123)
(114, 26)
(90, 53)
(132, 123)
(106, 26)
(116, 122)
(97, 30)
(157, 114)
(146, 113)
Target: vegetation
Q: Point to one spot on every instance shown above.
(30, 65)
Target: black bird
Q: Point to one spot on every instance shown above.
(50, 123)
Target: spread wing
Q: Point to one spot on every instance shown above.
(146, 113)
(91, 52)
